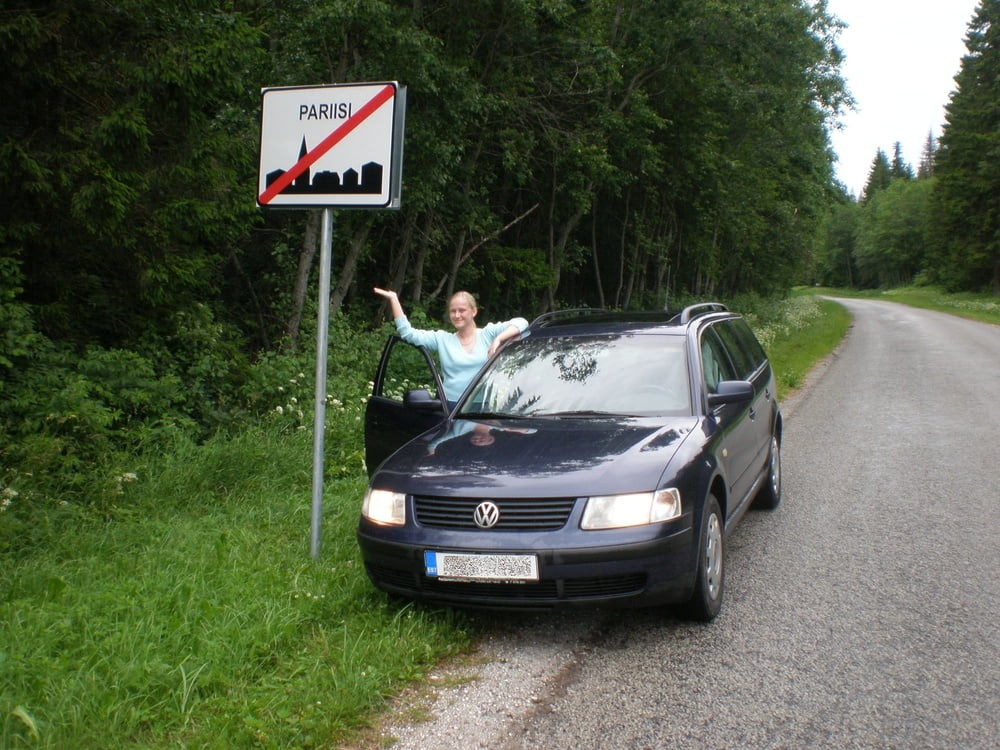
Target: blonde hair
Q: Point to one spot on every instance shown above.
(469, 299)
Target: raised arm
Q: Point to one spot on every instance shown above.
(397, 309)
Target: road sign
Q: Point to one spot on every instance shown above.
(334, 145)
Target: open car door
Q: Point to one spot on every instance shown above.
(406, 400)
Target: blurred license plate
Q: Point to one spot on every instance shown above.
(459, 567)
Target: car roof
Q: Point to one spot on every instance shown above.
(583, 321)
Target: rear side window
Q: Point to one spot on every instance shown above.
(750, 341)
(743, 346)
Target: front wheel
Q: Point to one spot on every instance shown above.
(706, 601)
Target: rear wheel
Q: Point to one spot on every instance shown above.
(706, 601)
(769, 496)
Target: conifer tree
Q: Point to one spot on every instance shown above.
(966, 205)
(879, 176)
(900, 170)
(926, 168)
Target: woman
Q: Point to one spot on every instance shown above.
(463, 352)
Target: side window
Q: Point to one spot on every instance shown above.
(750, 342)
(742, 358)
(406, 367)
(715, 362)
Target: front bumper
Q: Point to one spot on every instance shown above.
(656, 570)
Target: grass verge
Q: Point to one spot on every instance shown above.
(794, 354)
(194, 617)
(982, 307)
(797, 333)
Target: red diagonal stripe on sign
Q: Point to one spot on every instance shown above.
(326, 144)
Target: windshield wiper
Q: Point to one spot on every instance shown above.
(487, 415)
(581, 414)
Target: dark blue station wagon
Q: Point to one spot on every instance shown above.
(600, 460)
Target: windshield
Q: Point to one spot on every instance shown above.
(628, 374)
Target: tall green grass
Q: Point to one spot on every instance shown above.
(197, 618)
(797, 333)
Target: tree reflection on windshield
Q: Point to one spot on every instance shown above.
(629, 374)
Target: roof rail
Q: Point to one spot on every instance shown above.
(548, 317)
(702, 308)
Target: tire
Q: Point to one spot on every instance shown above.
(706, 601)
(769, 496)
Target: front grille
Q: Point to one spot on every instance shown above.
(581, 588)
(394, 577)
(519, 514)
(509, 592)
(549, 592)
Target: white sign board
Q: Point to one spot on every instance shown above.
(335, 145)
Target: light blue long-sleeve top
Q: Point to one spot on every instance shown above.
(458, 366)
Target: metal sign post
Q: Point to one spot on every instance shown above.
(322, 348)
(326, 146)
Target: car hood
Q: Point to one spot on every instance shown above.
(537, 457)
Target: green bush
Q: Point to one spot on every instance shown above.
(17, 330)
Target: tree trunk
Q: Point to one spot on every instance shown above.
(456, 263)
(421, 259)
(265, 340)
(621, 255)
(594, 252)
(310, 241)
(557, 253)
(399, 265)
(350, 266)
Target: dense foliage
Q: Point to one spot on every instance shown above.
(620, 153)
(613, 152)
(966, 203)
(647, 148)
(938, 226)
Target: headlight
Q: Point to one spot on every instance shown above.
(384, 507)
(635, 509)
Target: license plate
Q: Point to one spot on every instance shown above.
(453, 566)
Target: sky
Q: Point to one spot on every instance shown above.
(902, 57)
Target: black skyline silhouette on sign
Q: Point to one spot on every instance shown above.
(327, 182)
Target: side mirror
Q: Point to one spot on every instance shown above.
(420, 399)
(731, 392)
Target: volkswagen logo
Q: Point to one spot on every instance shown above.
(486, 516)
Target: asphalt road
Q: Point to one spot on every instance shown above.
(862, 613)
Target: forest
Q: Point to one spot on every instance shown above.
(614, 153)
